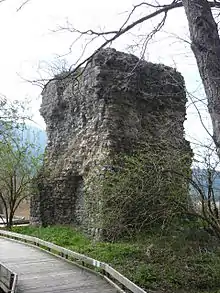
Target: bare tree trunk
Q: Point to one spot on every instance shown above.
(206, 48)
(10, 221)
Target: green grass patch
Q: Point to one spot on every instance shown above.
(184, 261)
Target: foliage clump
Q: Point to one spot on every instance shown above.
(132, 193)
(20, 160)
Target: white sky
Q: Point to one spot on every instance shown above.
(27, 41)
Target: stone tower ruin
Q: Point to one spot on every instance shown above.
(116, 103)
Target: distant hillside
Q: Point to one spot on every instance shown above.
(31, 134)
(200, 176)
(36, 136)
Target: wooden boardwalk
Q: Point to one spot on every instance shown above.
(40, 272)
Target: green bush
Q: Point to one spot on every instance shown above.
(133, 193)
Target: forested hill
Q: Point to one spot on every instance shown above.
(200, 176)
(36, 136)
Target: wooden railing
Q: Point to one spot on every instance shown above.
(16, 220)
(8, 280)
(111, 275)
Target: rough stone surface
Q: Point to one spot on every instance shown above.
(117, 104)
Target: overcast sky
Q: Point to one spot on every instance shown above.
(28, 42)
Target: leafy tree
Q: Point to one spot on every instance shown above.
(19, 165)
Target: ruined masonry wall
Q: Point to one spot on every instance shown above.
(118, 103)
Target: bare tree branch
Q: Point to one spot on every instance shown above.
(22, 5)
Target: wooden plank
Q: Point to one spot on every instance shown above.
(4, 288)
(54, 247)
(40, 272)
(8, 279)
(77, 257)
(123, 280)
(15, 283)
(5, 277)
